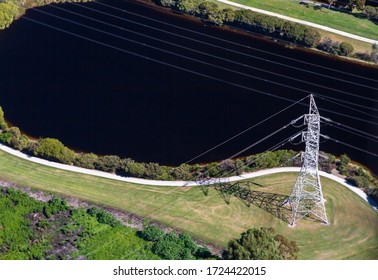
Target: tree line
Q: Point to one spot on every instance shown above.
(246, 19)
(13, 9)
(54, 150)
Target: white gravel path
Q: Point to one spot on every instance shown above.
(179, 183)
(322, 27)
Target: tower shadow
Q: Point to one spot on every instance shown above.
(275, 204)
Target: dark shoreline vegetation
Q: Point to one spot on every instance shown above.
(51, 229)
(245, 20)
(54, 150)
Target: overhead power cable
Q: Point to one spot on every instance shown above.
(246, 130)
(355, 133)
(159, 61)
(349, 127)
(172, 53)
(226, 41)
(230, 50)
(217, 57)
(186, 69)
(349, 145)
(331, 100)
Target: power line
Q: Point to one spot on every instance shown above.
(182, 68)
(173, 53)
(224, 40)
(233, 51)
(246, 130)
(259, 141)
(349, 145)
(320, 96)
(349, 127)
(355, 133)
(217, 57)
(159, 61)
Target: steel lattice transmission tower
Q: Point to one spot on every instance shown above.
(306, 198)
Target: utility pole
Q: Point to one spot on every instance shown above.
(306, 198)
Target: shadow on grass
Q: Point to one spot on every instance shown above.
(274, 204)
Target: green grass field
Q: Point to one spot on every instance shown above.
(341, 21)
(352, 234)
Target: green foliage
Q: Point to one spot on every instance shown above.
(371, 12)
(109, 163)
(358, 181)
(53, 149)
(103, 217)
(171, 247)
(5, 137)
(166, 3)
(346, 49)
(254, 244)
(228, 14)
(311, 37)
(134, 169)
(3, 124)
(8, 12)
(152, 233)
(54, 206)
(17, 240)
(288, 249)
(87, 160)
(343, 164)
(188, 6)
(43, 224)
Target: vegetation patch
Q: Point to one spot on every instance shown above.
(352, 233)
(30, 229)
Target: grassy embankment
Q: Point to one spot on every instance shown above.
(341, 21)
(334, 19)
(353, 232)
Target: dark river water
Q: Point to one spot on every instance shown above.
(96, 95)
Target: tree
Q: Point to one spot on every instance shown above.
(254, 244)
(371, 12)
(346, 49)
(311, 37)
(53, 149)
(166, 3)
(152, 233)
(3, 124)
(170, 247)
(229, 15)
(288, 249)
(134, 169)
(87, 160)
(360, 4)
(343, 164)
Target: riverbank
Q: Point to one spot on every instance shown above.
(140, 181)
(210, 218)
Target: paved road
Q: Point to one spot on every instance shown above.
(322, 27)
(179, 183)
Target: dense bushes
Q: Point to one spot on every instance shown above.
(103, 217)
(260, 244)
(246, 19)
(8, 12)
(13, 9)
(53, 149)
(171, 246)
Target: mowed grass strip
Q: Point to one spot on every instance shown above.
(352, 234)
(334, 19)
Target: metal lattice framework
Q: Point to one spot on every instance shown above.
(306, 198)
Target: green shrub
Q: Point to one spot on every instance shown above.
(53, 149)
(103, 217)
(152, 233)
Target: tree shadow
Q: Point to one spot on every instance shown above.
(275, 204)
